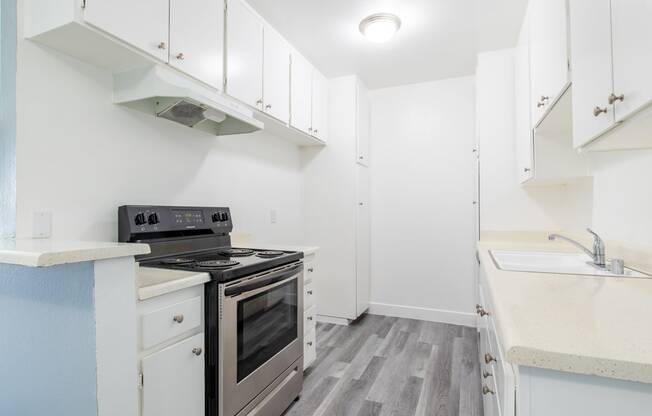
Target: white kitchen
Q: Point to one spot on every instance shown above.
(311, 208)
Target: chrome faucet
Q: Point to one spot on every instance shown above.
(598, 247)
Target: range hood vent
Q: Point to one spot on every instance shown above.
(160, 92)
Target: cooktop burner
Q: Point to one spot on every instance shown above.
(177, 260)
(236, 252)
(269, 254)
(217, 264)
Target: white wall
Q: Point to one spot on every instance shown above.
(80, 156)
(504, 203)
(422, 188)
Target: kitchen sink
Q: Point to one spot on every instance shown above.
(550, 262)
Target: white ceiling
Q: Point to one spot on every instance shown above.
(438, 38)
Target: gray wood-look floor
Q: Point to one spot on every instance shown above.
(390, 366)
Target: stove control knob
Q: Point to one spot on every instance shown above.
(224, 216)
(215, 217)
(140, 219)
(153, 218)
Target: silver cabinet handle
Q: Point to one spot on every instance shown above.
(488, 358)
(161, 45)
(310, 270)
(486, 390)
(597, 111)
(309, 292)
(361, 157)
(486, 374)
(361, 203)
(310, 129)
(309, 343)
(316, 131)
(178, 318)
(197, 351)
(543, 101)
(480, 310)
(181, 57)
(613, 98)
(268, 106)
(310, 318)
(526, 170)
(259, 102)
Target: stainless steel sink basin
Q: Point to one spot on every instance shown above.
(550, 262)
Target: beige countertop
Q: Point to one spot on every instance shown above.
(581, 324)
(46, 252)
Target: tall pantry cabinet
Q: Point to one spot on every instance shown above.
(337, 207)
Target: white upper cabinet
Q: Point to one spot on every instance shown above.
(364, 124)
(301, 94)
(276, 76)
(548, 54)
(244, 51)
(632, 56)
(143, 23)
(319, 113)
(197, 39)
(523, 128)
(590, 23)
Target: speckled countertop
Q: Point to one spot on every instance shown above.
(581, 324)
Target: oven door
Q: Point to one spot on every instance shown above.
(260, 333)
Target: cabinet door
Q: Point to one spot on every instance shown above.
(632, 59)
(197, 39)
(276, 76)
(524, 138)
(301, 94)
(143, 24)
(548, 54)
(591, 68)
(363, 242)
(319, 105)
(244, 54)
(173, 380)
(363, 124)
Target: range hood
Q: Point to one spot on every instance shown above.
(161, 92)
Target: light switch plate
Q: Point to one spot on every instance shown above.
(42, 224)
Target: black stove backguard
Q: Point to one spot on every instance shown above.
(174, 230)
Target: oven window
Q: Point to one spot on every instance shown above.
(267, 323)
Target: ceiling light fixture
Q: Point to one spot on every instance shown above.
(380, 27)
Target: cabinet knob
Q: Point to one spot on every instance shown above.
(259, 102)
(597, 111)
(180, 57)
(488, 358)
(268, 106)
(361, 157)
(309, 343)
(486, 374)
(361, 203)
(544, 98)
(309, 292)
(310, 129)
(310, 269)
(197, 351)
(486, 390)
(613, 98)
(178, 318)
(310, 318)
(526, 170)
(162, 45)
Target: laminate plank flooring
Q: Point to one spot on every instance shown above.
(384, 366)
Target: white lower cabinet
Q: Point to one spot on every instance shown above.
(173, 379)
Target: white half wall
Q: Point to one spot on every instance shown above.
(80, 157)
(422, 189)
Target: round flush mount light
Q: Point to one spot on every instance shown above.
(380, 27)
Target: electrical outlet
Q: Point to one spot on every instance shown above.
(272, 216)
(42, 227)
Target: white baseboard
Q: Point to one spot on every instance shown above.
(333, 320)
(424, 314)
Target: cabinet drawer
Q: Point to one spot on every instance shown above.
(308, 271)
(168, 322)
(173, 379)
(309, 349)
(310, 320)
(308, 295)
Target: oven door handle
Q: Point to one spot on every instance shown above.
(263, 281)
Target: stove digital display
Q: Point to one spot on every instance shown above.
(188, 217)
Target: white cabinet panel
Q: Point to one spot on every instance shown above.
(524, 138)
(301, 94)
(244, 49)
(143, 23)
(319, 105)
(276, 76)
(173, 380)
(363, 241)
(632, 60)
(548, 53)
(591, 68)
(197, 39)
(168, 322)
(364, 124)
